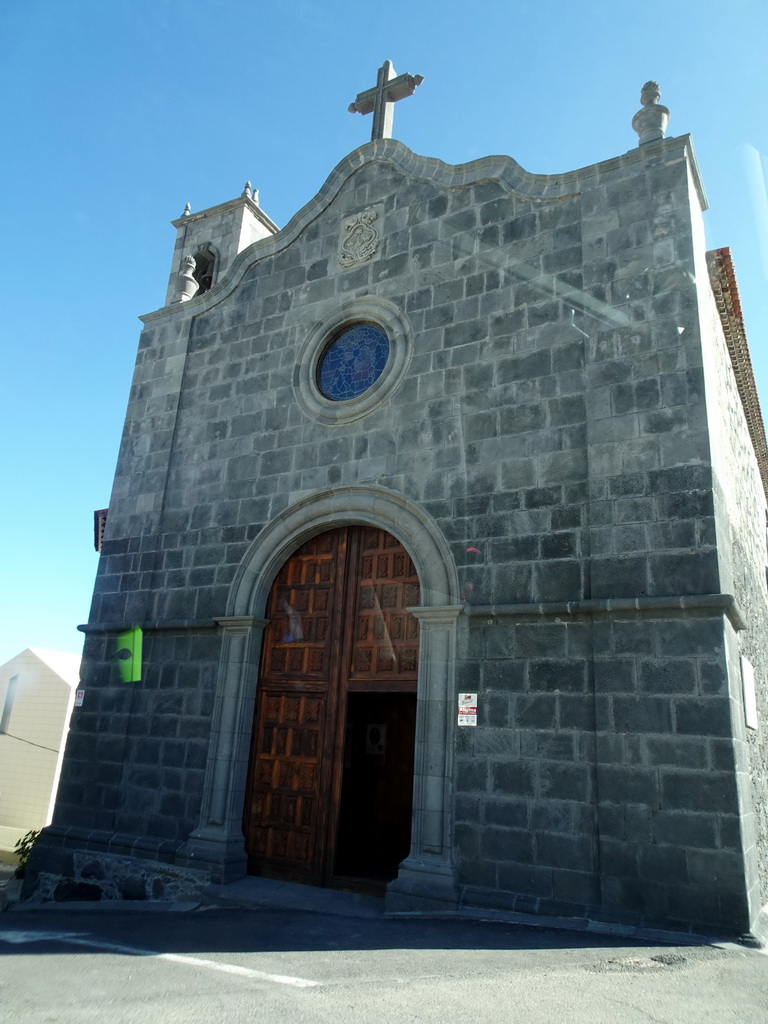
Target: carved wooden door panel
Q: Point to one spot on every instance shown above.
(384, 637)
(337, 623)
(285, 786)
(296, 707)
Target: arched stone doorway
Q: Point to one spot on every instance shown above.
(427, 876)
(330, 778)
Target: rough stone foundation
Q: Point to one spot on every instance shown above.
(106, 877)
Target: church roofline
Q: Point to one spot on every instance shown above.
(231, 204)
(506, 170)
(722, 275)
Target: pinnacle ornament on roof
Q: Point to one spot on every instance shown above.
(249, 192)
(650, 122)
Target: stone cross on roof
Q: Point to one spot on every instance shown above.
(382, 97)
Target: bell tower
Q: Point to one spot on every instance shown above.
(208, 242)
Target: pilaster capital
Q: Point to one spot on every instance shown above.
(437, 616)
(240, 623)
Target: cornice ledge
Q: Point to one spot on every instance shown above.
(241, 623)
(724, 604)
(147, 626)
(230, 204)
(693, 163)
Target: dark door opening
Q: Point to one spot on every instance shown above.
(374, 832)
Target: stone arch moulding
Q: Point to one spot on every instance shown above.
(342, 506)
(427, 877)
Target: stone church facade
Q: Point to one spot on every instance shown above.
(545, 489)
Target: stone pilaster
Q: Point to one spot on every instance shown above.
(217, 842)
(427, 877)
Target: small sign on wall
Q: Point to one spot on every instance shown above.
(750, 694)
(79, 698)
(467, 709)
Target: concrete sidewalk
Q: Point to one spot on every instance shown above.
(250, 892)
(270, 894)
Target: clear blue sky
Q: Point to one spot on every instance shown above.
(115, 114)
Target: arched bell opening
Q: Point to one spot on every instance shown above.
(205, 267)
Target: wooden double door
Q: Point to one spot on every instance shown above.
(331, 767)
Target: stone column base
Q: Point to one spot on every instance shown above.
(757, 936)
(222, 856)
(422, 885)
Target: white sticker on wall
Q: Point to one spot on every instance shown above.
(750, 694)
(79, 698)
(467, 709)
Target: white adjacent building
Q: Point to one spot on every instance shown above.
(37, 691)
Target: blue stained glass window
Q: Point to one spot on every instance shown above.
(353, 362)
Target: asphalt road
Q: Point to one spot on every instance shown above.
(287, 967)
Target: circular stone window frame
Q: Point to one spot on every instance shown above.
(369, 310)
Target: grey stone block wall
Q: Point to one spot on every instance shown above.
(553, 423)
(602, 773)
(742, 541)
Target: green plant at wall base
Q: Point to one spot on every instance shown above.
(23, 848)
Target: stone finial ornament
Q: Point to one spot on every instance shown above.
(249, 192)
(650, 93)
(650, 122)
(187, 210)
(187, 286)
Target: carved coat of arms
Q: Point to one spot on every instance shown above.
(360, 239)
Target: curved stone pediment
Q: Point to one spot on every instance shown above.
(502, 169)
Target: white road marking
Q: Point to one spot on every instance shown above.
(82, 939)
(17, 938)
